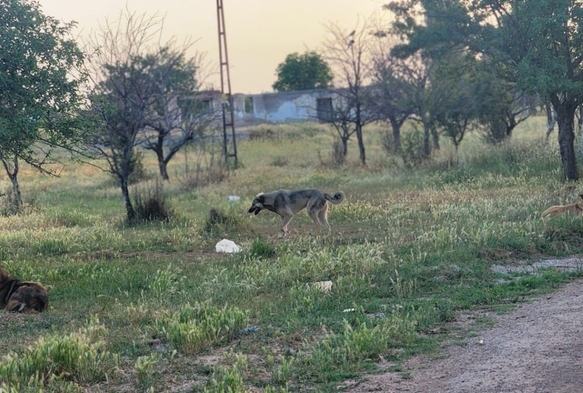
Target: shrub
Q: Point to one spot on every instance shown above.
(412, 148)
(280, 161)
(151, 205)
(221, 224)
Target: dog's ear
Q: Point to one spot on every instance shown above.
(16, 307)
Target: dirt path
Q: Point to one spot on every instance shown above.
(536, 348)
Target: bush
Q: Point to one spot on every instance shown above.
(151, 205)
(412, 148)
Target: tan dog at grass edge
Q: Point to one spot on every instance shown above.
(287, 203)
(18, 296)
(573, 208)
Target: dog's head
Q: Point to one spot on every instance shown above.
(257, 204)
(28, 296)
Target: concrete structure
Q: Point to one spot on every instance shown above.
(284, 107)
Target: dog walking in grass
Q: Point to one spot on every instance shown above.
(287, 203)
(573, 208)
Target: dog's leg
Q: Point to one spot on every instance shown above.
(314, 215)
(314, 208)
(286, 219)
(323, 217)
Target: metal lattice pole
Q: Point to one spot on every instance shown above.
(226, 96)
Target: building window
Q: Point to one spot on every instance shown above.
(248, 104)
(324, 109)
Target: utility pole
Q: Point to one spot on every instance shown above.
(226, 96)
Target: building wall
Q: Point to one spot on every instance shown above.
(284, 107)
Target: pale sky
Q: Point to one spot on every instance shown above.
(260, 33)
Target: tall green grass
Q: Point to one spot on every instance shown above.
(76, 358)
(409, 250)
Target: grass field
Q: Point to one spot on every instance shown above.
(153, 307)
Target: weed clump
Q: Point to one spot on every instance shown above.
(76, 358)
(193, 329)
(261, 249)
(151, 205)
(221, 224)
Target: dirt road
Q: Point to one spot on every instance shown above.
(536, 348)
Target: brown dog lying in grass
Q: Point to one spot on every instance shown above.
(573, 208)
(19, 296)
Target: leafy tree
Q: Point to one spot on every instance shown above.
(500, 105)
(537, 44)
(39, 95)
(426, 98)
(303, 72)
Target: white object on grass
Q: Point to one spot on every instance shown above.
(226, 245)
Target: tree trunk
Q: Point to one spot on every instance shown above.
(13, 176)
(426, 139)
(344, 140)
(131, 214)
(396, 134)
(16, 197)
(580, 132)
(163, 169)
(565, 111)
(551, 120)
(435, 138)
(359, 134)
(162, 164)
(361, 149)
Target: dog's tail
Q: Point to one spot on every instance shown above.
(336, 199)
(550, 211)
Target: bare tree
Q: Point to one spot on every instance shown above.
(178, 111)
(144, 95)
(393, 86)
(341, 120)
(121, 92)
(349, 56)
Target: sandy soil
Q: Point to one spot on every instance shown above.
(538, 347)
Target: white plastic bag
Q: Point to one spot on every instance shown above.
(226, 245)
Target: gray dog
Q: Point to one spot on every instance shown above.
(287, 203)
